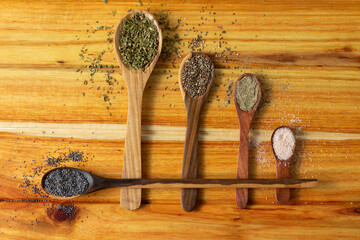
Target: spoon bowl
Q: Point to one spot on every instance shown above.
(193, 107)
(282, 170)
(89, 177)
(125, 67)
(136, 80)
(243, 157)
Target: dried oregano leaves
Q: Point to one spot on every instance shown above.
(139, 41)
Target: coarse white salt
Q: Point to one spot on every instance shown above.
(283, 143)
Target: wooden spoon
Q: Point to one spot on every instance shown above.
(282, 171)
(135, 81)
(243, 157)
(97, 183)
(193, 107)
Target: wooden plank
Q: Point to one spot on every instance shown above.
(38, 99)
(306, 55)
(168, 221)
(312, 38)
(96, 131)
(334, 165)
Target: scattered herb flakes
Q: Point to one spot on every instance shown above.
(170, 47)
(106, 98)
(171, 41)
(173, 48)
(94, 66)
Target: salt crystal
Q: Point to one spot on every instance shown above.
(283, 143)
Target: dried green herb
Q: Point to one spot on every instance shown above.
(171, 41)
(167, 25)
(139, 41)
(170, 46)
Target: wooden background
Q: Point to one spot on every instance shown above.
(307, 57)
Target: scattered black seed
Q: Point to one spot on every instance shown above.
(196, 44)
(229, 91)
(34, 169)
(71, 156)
(61, 212)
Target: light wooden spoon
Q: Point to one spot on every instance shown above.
(243, 157)
(282, 171)
(136, 80)
(193, 107)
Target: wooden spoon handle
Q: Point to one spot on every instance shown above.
(190, 158)
(243, 163)
(210, 183)
(282, 172)
(131, 198)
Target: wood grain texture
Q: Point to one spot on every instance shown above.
(136, 80)
(188, 197)
(257, 221)
(306, 55)
(245, 119)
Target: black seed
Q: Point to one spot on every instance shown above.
(66, 183)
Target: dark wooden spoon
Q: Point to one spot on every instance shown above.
(193, 107)
(243, 157)
(282, 171)
(97, 183)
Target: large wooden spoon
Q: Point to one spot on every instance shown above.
(135, 81)
(96, 183)
(193, 107)
(243, 157)
(282, 170)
